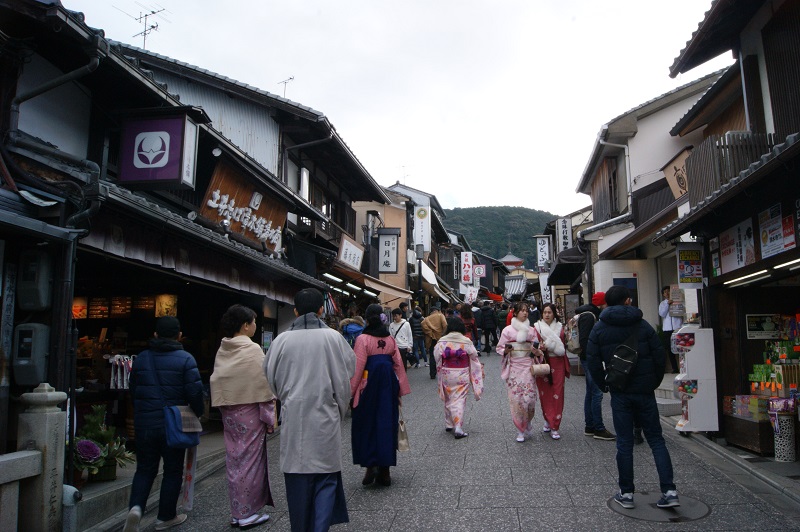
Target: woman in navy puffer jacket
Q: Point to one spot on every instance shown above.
(163, 375)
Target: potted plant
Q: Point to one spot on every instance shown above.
(88, 456)
(113, 447)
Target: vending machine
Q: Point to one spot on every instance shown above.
(696, 384)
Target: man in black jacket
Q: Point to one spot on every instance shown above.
(637, 401)
(489, 323)
(587, 315)
(163, 375)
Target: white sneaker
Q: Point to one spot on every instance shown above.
(427, 365)
(520, 437)
(416, 365)
(175, 521)
(132, 521)
(555, 435)
(546, 427)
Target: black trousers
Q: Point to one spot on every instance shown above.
(489, 332)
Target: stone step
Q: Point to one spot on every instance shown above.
(668, 407)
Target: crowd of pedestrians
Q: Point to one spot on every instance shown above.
(312, 374)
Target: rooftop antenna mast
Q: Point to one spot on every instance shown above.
(286, 82)
(148, 28)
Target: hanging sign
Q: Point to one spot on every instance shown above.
(466, 267)
(564, 234)
(479, 270)
(422, 225)
(542, 252)
(387, 250)
(350, 252)
(690, 265)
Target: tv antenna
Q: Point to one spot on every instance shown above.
(286, 82)
(144, 19)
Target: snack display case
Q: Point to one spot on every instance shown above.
(696, 384)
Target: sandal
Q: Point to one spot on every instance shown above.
(253, 521)
(234, 523)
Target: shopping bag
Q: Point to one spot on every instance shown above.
(402, 434)
(189, 471)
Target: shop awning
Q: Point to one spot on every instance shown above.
(365, 282)
(569, 264)
(435, 285)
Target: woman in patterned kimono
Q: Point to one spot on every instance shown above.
(240, 390)
(376, 387)
(551, 388)
(457, 368)
(516, 347)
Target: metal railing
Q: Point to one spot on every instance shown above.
(720, 158)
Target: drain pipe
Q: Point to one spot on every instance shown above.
(284, 157)
(52, 84)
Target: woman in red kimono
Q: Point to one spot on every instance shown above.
(551, 387)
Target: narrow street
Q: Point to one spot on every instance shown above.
(488, 481)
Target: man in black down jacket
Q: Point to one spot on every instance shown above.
(177, 382)
(489, 326)
(637, 402)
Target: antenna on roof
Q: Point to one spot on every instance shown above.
(286, 82)
(143, 17)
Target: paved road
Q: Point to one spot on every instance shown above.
(488, 481)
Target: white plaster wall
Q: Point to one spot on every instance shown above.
(645, 270)
(653, 146)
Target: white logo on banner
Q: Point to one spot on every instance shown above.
(151, 149)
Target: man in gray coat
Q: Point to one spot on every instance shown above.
(309, 367)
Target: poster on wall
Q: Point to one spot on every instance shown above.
(466, 267)
(770, 231)
(690, 265)
(737, 247)
(763, 326)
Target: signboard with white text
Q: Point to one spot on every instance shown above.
(466, 267)
(563, 234)
(422, 225)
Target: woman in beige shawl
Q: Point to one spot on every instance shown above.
(240, 390)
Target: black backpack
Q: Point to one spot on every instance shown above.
(623, 362)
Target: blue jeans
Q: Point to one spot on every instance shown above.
(592, 403)
(641, 409)
(419, 349)
(151, 447)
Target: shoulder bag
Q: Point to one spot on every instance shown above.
(181, 425)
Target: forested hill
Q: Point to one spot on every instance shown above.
(496, 231)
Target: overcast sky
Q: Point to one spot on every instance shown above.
(479, 102)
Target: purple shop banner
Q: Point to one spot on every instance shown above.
(152, 150)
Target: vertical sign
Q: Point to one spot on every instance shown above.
(690, 265)
(387, 250)
(564, 234)
(466, 267)
(545, 288)
(542, 252)
(422, 224)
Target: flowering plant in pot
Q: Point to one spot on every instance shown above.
(88, 455)
(113, 447)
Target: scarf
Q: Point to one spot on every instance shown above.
(551, 337)
(522, 328)
(238, 377)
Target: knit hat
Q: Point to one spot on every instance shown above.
(599, 298)
(168, 327)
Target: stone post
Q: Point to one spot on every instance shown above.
(42, 427)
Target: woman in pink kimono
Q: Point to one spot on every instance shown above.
(457, 367)
(240, 390)
(551, 388)
(516, 347)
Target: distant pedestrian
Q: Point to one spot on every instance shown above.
(433, 326)
(350, 328)
(503, 315)
(418, 335)
(637, 401)
(517, 349)
(401, 331)
(458, 368)
(244, 397)
(309, 367)
(377, 384)
(669, 324)
(551, 388)
(469, 324)
(489, 323)
(586, 317)
(163, 375)
(404, 309)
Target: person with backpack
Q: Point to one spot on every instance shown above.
(583, 322)
(401, 331)
(620, 327)
(351, 327)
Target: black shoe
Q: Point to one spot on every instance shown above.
(384, 479)
(637, 436)
(448, 429)
(369, 476)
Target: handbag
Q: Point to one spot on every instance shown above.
(539, 369)
(402, 434)
(181, 426)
